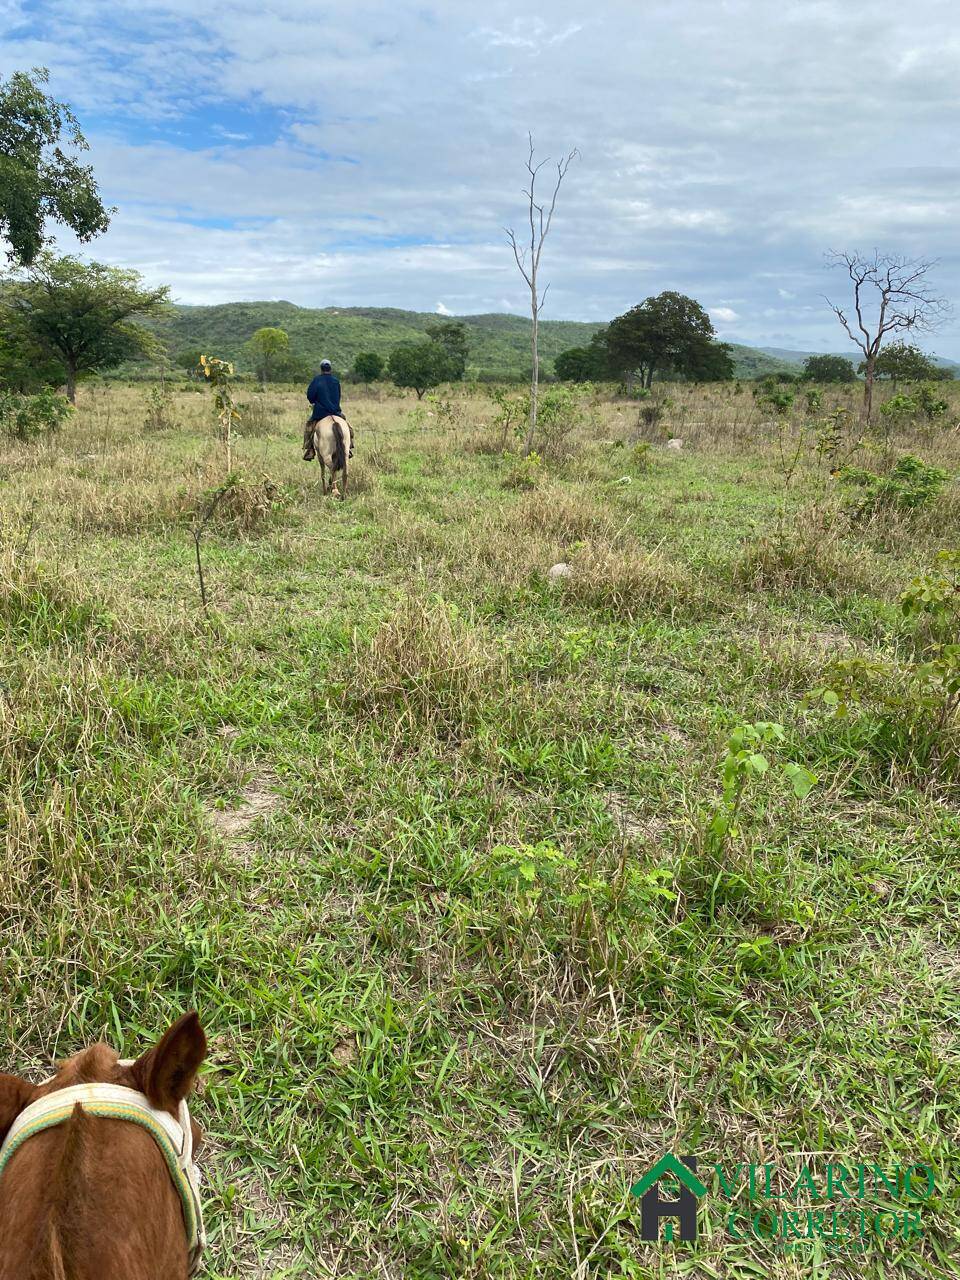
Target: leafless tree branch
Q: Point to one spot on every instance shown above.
(891, 294)
(540, 219)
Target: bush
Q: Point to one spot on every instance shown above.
(923, 402)
(26, 417)
(910, 485)
(523, 473)
(774, 395)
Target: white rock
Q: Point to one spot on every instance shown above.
(558, 571)
(675, 443)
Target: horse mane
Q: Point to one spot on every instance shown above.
(66, 1190)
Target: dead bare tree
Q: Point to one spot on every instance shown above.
(528, 260)
(890, 295)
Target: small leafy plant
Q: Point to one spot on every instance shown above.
(27, 417)
(908, 486)
(219, 374)
(523, 472)
(908, 712)
(744, 762)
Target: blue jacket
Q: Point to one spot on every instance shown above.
(324, 394)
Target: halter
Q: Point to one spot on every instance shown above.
(117, 1102)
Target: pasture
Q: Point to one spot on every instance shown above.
(426, 836)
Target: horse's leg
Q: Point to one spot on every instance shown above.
(323, 475)
(343, 491)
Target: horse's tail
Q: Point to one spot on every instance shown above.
(339, 462)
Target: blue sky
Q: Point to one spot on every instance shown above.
(371, 153)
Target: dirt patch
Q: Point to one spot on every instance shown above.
(632, 825)
(258, 798)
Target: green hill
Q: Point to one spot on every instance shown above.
(499, 343)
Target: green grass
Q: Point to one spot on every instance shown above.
(422, 836)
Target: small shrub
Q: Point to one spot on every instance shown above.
(641, 456)
(27, 417)
(908, 713)
(929, 403)
(910, 485)
(523, 473)
(773, 395)
(248, 506)
(159, 409)
(559, 410)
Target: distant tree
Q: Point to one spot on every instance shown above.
(828, 369)
(665, 334)
(540, 218)
(24, 365)
(39, 179)
(903, 362)
(577, 364)
(890, 295)
(368, 366)
(420, 365)
(190, 361)
(83, 314)
(452, 336)
(710, 361)
(268, 350)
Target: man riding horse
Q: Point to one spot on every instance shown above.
(324, 394)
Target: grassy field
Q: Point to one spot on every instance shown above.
(425, 836)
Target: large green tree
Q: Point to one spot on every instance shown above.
(665, 334)
(420, 365)
(268, 350)
(452, 336)
(83, 314)
(40, 176)
(828, 369)
(368, 366)
(903, 362)
(579, 364)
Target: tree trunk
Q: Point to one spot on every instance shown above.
(71, 384)
(535, 375)
(867, 410)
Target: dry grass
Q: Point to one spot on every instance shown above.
(464, 964)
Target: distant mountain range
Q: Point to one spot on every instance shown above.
(797, 357)
(499, 343)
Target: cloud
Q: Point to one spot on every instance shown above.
(724, 148)
(443, 311)
(726, 315)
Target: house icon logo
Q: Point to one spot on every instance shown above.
(684, 1207)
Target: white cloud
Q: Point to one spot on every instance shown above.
(726, 315)
(443, 311)
(724, 170)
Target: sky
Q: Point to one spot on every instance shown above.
(372, 152)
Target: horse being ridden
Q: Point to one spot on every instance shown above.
(330, 439)
(324, 394)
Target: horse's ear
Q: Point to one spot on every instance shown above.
(167, 1071)
(15, 1094)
